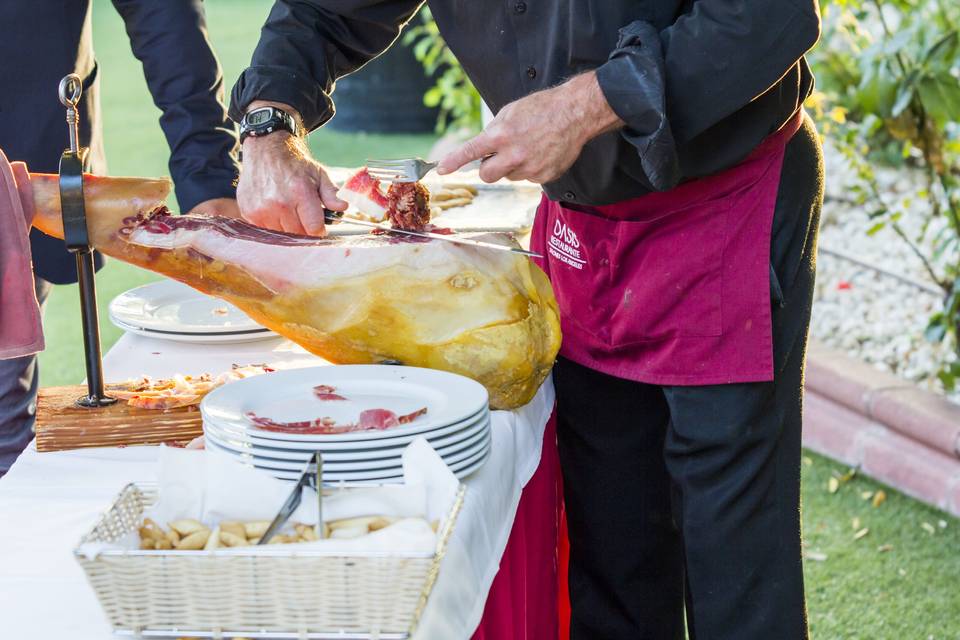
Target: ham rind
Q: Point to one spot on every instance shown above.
(363, 193)
(488, 315)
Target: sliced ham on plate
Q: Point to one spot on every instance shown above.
(369, 420)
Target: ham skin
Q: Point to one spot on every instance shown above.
(488, 315)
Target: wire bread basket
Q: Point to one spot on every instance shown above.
(263, 592)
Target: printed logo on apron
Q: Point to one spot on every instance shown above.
(565, 245)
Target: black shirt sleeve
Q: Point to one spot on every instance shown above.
(306, 45)
(672, 86)
(183, 75)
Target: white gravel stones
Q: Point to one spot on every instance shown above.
(871, 316)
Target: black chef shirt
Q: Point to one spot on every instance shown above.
(699, 83)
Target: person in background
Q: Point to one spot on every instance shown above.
(682, 191)
(43, 40)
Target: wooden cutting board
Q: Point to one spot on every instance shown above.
(61, 424)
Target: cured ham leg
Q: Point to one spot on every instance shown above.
(489, 315)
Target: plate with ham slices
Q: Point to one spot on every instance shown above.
(361, 417)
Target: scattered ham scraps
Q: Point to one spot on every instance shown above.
(369, 420)
(180, 390)
(406, 205)
(326, 392)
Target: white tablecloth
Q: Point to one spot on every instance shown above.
(49, 500)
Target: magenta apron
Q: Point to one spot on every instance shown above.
(671, 288)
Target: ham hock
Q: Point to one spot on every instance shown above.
(488, 315)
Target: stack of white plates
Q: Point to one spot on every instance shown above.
(168, 310)
(456, 423)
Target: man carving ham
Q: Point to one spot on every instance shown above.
(682, 189)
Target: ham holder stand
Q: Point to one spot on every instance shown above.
(78, 243)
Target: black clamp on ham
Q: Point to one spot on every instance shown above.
(77, 239)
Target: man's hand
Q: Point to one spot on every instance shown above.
(538, 137)
(282, 188)
(226, 207)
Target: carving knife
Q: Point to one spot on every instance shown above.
(337, 216)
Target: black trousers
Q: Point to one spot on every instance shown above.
(688, 498)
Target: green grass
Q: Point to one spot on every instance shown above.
(857, 592)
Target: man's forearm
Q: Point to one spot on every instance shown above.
(589, 107)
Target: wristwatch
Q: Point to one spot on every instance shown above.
(264, 120)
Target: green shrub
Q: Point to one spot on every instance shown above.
(889, 93)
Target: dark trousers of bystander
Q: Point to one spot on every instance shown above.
(687, 499)
(19, 380)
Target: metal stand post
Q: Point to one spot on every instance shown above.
(76, 237)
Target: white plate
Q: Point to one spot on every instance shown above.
(288, 396)
(440, 444)
(200, 338)
(452, 454)
(346, 449)
(460, 470)
(374, 459)
(169, 308)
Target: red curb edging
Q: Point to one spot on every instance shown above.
(917, 414)
(897, 433)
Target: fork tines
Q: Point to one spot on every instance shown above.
(400, 170)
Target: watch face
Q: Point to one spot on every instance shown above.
(258, 117)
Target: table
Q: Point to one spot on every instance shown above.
(49, 500)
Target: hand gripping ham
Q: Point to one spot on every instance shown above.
(489, 315)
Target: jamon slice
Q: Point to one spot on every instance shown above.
(406, 205)
(369, 420)
(363, 192)
(487, 315)
(326, 392)
(409, 206)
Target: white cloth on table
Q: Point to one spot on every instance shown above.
(49, 500)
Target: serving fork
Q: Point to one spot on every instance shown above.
(400, 170)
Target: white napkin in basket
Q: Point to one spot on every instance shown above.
(212, 487)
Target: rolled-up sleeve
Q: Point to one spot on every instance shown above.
(183, 75)
(670, 86)
(306, 45)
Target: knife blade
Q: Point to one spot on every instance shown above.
(336, 216)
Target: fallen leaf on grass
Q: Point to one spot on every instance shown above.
(833, 485)
(902, 572)
(855, 524)
(928, 528)
(866, 495)
(942, 524)
(860, 534)
(807, 460)
(816, 556)
(879, 497)
(884, 548)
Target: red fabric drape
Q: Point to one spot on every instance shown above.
(523, 602)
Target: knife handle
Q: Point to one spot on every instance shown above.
(329, 215)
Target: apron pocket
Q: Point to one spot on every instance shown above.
(634, 281)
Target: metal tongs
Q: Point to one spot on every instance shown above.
(311, 476)
(337, 216)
